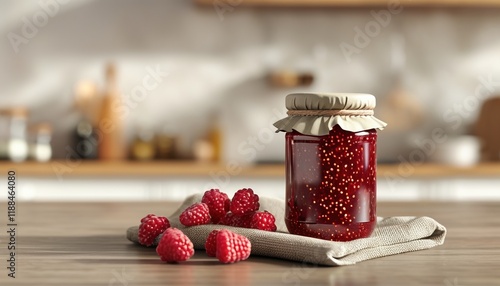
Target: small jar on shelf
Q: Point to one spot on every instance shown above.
(40, 148)
(17, 146)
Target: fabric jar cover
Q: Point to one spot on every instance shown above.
(322, 124)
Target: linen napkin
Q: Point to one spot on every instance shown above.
(393, 235)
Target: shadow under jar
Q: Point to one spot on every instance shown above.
(330, 165)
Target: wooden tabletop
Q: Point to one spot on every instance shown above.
(84, 244)
(355, 3)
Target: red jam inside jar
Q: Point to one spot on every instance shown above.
(331, 184)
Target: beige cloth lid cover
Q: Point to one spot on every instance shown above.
(322, 124)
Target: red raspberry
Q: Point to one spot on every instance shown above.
(232, 247)
(196, 214)
(263, 221)
(152, 226)
(244, 201)
(211, 243)
(218, 203)
(174, 246)
(235, 220)
(147, 217)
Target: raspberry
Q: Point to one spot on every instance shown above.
(244, 201)
(147, 217)
(152, 226)
(175, 246)
(211, 243)
(263, 221)
(196, 214)
(218, 203)
(232, 247)
(239, 221)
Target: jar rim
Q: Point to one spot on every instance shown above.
(330, 101)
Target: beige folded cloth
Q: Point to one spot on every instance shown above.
(392, 235)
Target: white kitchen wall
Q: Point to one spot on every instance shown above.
(216, 65)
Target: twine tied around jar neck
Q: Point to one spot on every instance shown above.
(332, 112)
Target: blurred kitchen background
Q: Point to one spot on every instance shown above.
(153, 100)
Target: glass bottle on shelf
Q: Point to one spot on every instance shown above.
(85, 140)
(330, 165)
(214, 136)
(112, 141)
(85, 136)
(144, 147)
(165, 146)
(40, 148)
(17, 146)
(4, 133)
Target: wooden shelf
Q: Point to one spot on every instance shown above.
(192, 169)
(358, 3)
(136, 169)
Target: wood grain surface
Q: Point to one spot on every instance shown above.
(354, 3)
(189, 169)
(84, 244)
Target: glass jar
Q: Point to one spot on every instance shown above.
(331, 165)
(40, 147)
(17, 147)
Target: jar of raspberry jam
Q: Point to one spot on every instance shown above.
(330, 165)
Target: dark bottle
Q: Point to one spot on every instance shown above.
(85, 140)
